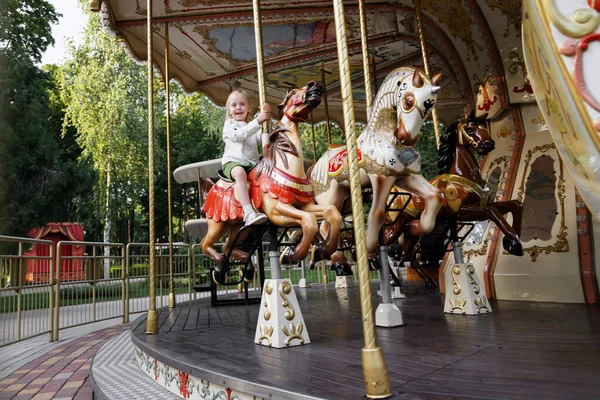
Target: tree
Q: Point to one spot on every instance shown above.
(38, 172)
(104, 91)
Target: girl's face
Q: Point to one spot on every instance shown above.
(239, 107)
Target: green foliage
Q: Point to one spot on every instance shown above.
(321, 139)
(428, 150)
(40, 178)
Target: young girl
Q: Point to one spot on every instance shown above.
(241, 154)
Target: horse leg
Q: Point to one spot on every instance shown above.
(382, 185)
(511, 241)
(236, 254)
(282, 214)
(433, 202)
(216, 230)
(515, 207)
(332, 221)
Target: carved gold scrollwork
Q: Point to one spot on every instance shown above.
(470, 273)
(284, 289)
(481, 302)
(269, 290)
(583, 21)
(266, 331)
(458, 304)
(295, 332)
(455, 272)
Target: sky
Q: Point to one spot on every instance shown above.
(70, 25)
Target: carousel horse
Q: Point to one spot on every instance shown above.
(386, 154)
(278, 187)
(466, 196)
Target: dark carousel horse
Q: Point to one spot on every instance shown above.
(466, 196)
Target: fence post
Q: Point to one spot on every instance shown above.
(51, 282)
(20, 286)
(57, 302)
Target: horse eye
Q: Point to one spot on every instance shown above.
(408, 102)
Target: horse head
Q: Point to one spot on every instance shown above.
(473, 132)
(298, 103)
(416, 97)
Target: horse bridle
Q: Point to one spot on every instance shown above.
(468, 138)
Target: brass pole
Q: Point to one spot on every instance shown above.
(152, 320)
(327, 127)
(434, 115)
(365, 54)
(260, 62)
(374, 368)
(312, 127)
(169, 196)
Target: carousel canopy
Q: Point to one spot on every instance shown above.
(212, 46)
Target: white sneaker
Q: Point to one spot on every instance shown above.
(255, 218)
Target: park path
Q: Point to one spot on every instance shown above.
(37, 369)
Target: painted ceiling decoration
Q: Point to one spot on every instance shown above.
(212, 46)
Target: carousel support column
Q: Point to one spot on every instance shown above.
(366, 57)
(302, 283)
(464, 292)
(328, 125)
(152, 320)
(280, 322)
(374, 367)
(434, 114)
(169, 197)
(388, 314)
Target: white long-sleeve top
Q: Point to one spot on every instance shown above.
(241, 141)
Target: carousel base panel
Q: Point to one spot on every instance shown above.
(523, 350)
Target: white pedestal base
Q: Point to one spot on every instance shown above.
(344, 281)
(302, 283)
(388, 316)
(464, 292)
(280, 322)
(397, 293)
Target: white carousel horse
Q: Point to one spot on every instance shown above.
(386, 153)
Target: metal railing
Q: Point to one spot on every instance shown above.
(86, 282)
(26, 289)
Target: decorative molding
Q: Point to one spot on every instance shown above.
(561, 245)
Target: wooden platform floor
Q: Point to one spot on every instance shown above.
(523, 350)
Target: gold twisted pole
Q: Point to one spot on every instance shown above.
(169, 196)
(365, 54)
(327, 127)
(260, 62)
(152, 320)
(374, 368)
(434, 115)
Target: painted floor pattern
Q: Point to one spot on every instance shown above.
(61, 373)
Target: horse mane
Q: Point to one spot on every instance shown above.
(279, 144)
(446, 149)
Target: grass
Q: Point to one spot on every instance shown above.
(138, 288)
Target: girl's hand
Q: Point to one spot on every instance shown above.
(265, 113)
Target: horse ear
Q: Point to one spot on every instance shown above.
(285, 99)
(417, 80)
(437, 78)
(482, 117)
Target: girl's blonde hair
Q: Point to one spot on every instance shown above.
(243, 93)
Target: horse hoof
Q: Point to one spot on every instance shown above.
(513, 246)
(343, 270)
(249, 274)
(217, 277)
(374, 264)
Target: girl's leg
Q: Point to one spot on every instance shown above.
(241, 185)
(241, 189)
